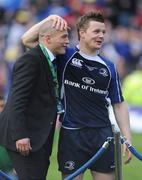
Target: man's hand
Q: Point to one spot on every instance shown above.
(58, 22)
(23, 146)
(128, 153)
(30, 38)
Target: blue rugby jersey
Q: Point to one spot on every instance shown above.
(88, 85)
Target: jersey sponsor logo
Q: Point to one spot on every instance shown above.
(76, 62)
(69, 165)
(103, 72)
(99, 91)
(71, 83)
(88, 80)
(85, 87)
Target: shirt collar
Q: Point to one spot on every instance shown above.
(51, 55)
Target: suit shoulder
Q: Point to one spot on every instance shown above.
(30, 56)
(29, 59)
(36, 51)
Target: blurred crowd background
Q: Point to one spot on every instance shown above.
(123, 43)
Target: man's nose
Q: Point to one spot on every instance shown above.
(101, 34)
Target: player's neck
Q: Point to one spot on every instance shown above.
(88, 51)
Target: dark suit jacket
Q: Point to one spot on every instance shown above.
(30, 110)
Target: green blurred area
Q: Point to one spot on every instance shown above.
(130, 172)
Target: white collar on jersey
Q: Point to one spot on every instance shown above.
(95, 58)
(87, 56)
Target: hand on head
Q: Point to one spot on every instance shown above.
(58, 22)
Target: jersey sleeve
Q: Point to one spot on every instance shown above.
(115, 92)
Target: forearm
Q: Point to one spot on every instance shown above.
(30, 38)
(122, 118)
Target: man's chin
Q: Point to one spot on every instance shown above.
(97, 48)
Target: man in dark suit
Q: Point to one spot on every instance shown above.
(28, 119)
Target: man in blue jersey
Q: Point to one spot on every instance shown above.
(89, 84)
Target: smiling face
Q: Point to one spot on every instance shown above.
(93, 35)
(59, 42)
(55, 40)
(91, 30)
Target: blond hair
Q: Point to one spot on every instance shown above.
(46, 28)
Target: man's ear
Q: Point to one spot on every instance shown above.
(48, 38)
(82, 33)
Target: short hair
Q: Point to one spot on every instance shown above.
(46, 28)
(84, 20)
